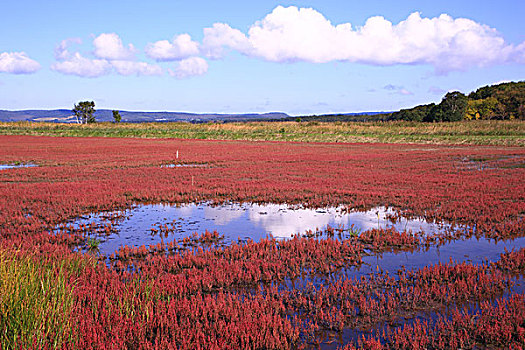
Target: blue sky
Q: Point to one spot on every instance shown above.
(299, 57)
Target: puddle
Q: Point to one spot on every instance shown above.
(14, 166)
(153, 223)
(472, 250)
(144, 224)
(493, 162)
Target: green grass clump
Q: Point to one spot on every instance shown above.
(92, 244)
(35, 302)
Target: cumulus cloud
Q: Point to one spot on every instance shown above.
(78, 65)
(222, 35)
(189, 67)
(109, 46)
(17, 63)
(179, 48)
(136, 68)
(110, 55)
(290, 34)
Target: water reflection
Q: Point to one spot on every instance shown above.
(240, 221)
(472, 250)
(140, 226)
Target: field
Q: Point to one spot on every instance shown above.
(326, 288)
(481, 132)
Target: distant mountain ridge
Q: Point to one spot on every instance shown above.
(106, 115)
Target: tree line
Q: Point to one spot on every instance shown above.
(501, 101)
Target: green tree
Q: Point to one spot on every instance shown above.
(454, 105)
(482, 109)
(510, 99)
(84, 112)
(452, 108)
(435, 114)
(417, 113)
(116, 116)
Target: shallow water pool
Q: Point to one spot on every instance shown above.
(139, 225)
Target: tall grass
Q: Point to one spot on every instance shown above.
(35, 302)
(483, 132)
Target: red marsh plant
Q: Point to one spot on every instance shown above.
(80, 175)
(497, 325)
(243, 295)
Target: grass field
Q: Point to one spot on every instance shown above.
(509, 133)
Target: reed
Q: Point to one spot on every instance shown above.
(35, 302)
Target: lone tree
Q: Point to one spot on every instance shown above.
(116, 116)
(84, 112)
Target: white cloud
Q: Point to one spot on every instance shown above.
(179, 48)
(78, 65)
(190, 67)
(109, 46)
(290, 34)
(61, 50)
(519, 53)
(81, 66)
(111, 55)
(17, 63)
(222, 35)
(136, 68)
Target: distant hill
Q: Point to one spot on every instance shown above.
(105, 115)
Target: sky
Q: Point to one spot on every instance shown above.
(297, 57)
